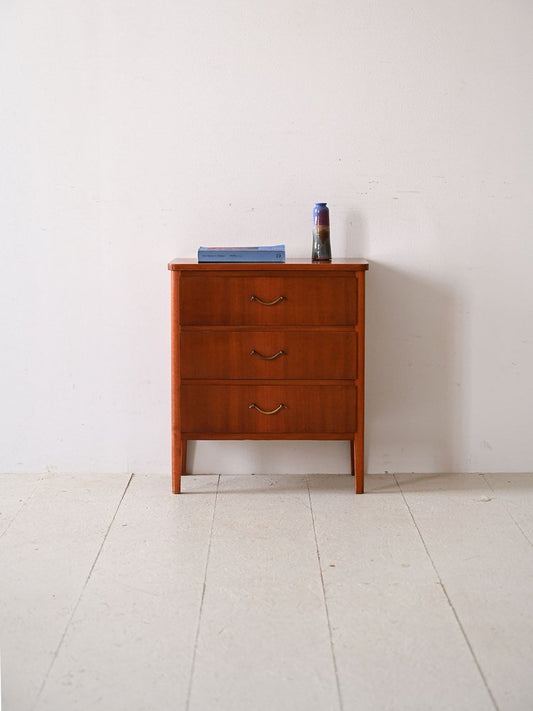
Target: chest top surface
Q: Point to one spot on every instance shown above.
(290, 265)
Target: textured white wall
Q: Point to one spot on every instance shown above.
(132, 132)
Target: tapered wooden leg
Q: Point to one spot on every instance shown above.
(359, 463)
(176, 466)
(179, 464)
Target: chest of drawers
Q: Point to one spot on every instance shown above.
(268, 351)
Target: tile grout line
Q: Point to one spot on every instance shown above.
(200, 611)
(74, 609)
(502, 502)
(443, 588)
(341, 706)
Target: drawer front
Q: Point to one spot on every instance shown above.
(287, 354)
(232, 299)
(297, 409)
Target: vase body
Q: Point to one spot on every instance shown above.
(321, 241)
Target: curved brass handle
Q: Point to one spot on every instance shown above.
(267, 303)
(267, 412)
(263, 357)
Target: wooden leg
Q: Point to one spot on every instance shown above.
(179, 464)
(352, 456)
(359, 463)
(176, 466)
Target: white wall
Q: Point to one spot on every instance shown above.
(132, 132)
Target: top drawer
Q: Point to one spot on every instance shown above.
(295, 299)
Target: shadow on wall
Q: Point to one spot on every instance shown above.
(414, 396)
(414, 374)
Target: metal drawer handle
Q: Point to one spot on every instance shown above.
(263, 357)
(267, 303)
(267, 412)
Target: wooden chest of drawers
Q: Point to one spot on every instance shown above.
(268, 351)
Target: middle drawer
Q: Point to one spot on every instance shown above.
(276, 354)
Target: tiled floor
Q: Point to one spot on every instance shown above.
(266, 593)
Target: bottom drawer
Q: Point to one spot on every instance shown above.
(267, 409)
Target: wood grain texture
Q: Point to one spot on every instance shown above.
(307, 408)
(268, 354)
(349, 264)
(226, 299)
(175, 379)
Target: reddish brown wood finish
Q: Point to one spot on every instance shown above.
(234, 299)
(336, 265)
(297, 360)
(177, 448)
(270, 354)
(225, 409)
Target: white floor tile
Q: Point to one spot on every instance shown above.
(397, 643)
(417, 598)
(130, 644)
(45, 557)
(486, 565)
(515, 492)
(264, 641)
(15, 490)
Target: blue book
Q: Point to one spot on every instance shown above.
(267, 254)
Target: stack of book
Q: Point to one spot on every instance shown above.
(270, 254)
